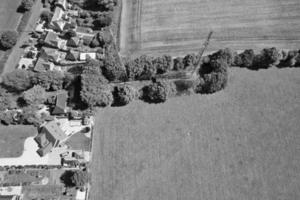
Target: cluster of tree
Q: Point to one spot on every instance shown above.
(8, 39)
(94, 88)
(103, 20)
(26, 5)
(213, 73)
(158, 91)
(124, 94)
(76, 178)
(145, 67)
(266, 58)
(22, 80)
(7, 100)
(46, 16)
(103, 5)
(102, 39)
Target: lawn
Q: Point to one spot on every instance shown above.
(180, 26)
(240, 143)
(79, 142)
(12, 139)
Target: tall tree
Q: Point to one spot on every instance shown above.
(18, 80)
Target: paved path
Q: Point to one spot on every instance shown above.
(17, 51)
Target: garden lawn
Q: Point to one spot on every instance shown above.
(12, 139)
(240, 143)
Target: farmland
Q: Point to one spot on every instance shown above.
(240, 143)
(180, 26)
(12, 139)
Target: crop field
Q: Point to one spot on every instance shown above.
(12, 139)
(180, 26)
(240, 143)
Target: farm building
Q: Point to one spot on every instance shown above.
(60, 104)
(85, 56)
(49, 137)
(43, 65)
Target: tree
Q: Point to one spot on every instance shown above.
(102, 21)
(178, 64)
(189, 60)
(50, 80)
(291, 59)
(18, 80)
(35, 95)
(76, 178)
(123, 95)
(8, 39)
(29, 116)
(162, 64)
(133, 69)
(26, 5)
(107, 4)
(225, 54)
(70, 33)
(6, 100)
(113, 70)
(157, 92)
(247, 58)
(269, 56)
(46, 16)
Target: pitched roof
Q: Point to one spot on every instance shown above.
(42, 65)
(74, 41)
(63, 3)
(51, 38)
(58, 13)
(54, 130)
(72, 55)
(61, 104)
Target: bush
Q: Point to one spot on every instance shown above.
(178, 64)
(18, 80)
(246, 58)
(291, 59)
(26, 5)
(70, 33)
(189, 60)
(225, 54)
(50, 80)
(123, 95)
(6, 100)
(8, 39)
(269, 56)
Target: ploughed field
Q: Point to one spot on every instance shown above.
(180, 26)
(240, 143)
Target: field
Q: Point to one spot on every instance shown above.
(12, 139)
(240, 143)
(180, 26)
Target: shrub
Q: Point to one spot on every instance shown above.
(225, 54)
(291, 59)
(189, 60)
(26, 5)
(8, 39)
(70, 33)
(269, 56)
(133, 69)
(6, 100)
(247, 58)
(50, 80)
(123, 95)
(18, 80)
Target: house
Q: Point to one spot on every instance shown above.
(72, 55)
(53, 41)
(73, 42)
(40, 28)
(84, 56)
(43, 65)
(25, 63)
(50, 54)
(50, 136)
(62, 4)
(58, 25)
(60, 104)
(58, 13)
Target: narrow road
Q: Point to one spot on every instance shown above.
(17, 51)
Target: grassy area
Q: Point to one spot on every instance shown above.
(12, 139)
(180, 26)
(79, 142)
(44, 192)
(240, 143)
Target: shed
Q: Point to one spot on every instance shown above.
(84, 56)
(60, 104)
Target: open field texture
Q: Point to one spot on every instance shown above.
(12, 139)
(240, 143)
(181, 26)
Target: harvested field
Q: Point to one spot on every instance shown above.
(180, 26)
(240, 143)
(12, 139)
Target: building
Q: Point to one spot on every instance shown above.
(53, 41)
(62, 4)
(58, 14)
(60, 104)
(43, 65)
(50, 54)
(50, 136)
(72, 55)
(25, 63)
(9, 197)
(85, 56)
(73, 42)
